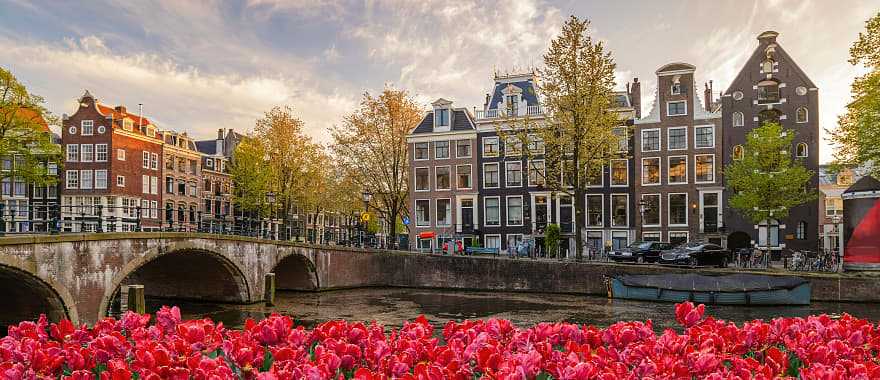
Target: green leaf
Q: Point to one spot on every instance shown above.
(101, 367)
(544, 376)
(267, 361)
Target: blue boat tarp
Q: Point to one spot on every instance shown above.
(691, 282)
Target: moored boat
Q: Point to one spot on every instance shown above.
(734, 289)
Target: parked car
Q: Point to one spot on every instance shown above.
(696, 254)
(640, 252)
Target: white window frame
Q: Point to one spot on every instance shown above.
(529, 173)
(154, 209)
(669, 140)
(659, 212)
(120, 181)
(87, 123)
(120, 154)
(449, 210)
(486, 240)
(587, 210)
(642, 139)
(82, 182)
(669, 210)
(484, 175)
(522, 208)
(742, 119)
(698, 127)
(506, 179)
(601, 178)
(486, 213)
(806, 150)
(97, 184)
(669, 170)
(675, 88)
(98, 151)
(677, 114)
(72, 154)
(733, 152)
(714, 162)
(154, 185)
(448, 150)
(535, 138)
(611, 209)
(154, 161)
(647, 234)
(611, 172)
(659, 168)
(470, 148)
(146, 160)
(470, 177)
(437, 183)
(806, 115)
(687, 235)
(625, 138)
(416, 176)
(82, 153)
(71, 176)
(497, 143)
(145, 184)
(514, 140)
(415, 149)
(416, 209)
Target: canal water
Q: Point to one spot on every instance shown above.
(392, 306)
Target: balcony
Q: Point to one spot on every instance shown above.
(535, 110)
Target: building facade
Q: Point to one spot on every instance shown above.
(111, 169)
(832, 184)
(442, 151)
(217, 205)
(678, 187)
(182, 172)
(771, 87)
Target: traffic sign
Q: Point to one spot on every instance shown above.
(405, 221)
(365, 217)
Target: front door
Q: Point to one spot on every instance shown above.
(540, 206)
(709, 212)
(467, 216)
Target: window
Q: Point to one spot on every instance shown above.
(463, 149)
(619, 210)
(704, 137)
(651, 212)
(193, 167)
(209, 163)
(768, 92)
(650, 140)
(463, 173)
(492, 211)
(193, 189)
(677, 237)
(145, 184)
(423, 212)
(441, 178)
(771, 116)
(513, 174)
(594, 210)
(423, 176)
(567, 169)
(536, 144)
(493, 241)
(619, 172)
(738, 119)
(490, 146)
(678, 108)
(443, 117)
(738, 152)
(801, 116)
(169, 185)
(85, 179)
(801, 232)
(512, 146)
(767, 66)
(100, 152)
(120, 181)
(181, 187)
(72, 152)
(677, 169)
(833, 206)
(594, 178)
(154, 185)
(801, 150)
(441, 150)
(536, 173)
(651, 171)
(651, 236)
(127, 124)
(87, 127)
(146, 163)
(678, 209)
(704, 167)
(514, 211)
(512, 105)
(101, 179)
(86, 152)
(490, 175)
(154, 209)
(444, 212)
(20, 189)
(421, 151)
(622, 139)
(676, 88)
(676, 138)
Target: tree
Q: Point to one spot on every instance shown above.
(24, 134)
(767, 182)
(858, 134)
(252, 180)
(551, 240)
(371, 147)
(577, 86)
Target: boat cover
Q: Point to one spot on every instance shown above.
(706, 283)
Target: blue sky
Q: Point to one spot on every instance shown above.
(199, 66)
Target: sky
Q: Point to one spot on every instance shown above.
(197, 66)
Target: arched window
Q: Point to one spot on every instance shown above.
(768, 91)
(772, 116)
(802, 115)
(738, 152)
(737, 119)
(801, 230)
(801, 150)
(767, 65)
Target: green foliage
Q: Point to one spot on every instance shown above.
(552, 236)
(268, 359)
(767, 182)
(857, 137)
(252, 180)
(24, 134)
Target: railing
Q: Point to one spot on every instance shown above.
(535, 110)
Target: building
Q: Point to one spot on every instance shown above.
(182, 170)
(771, 87)
(677, 154)
(111, 169)
(216, 193)
(442, 153)
(832, 184)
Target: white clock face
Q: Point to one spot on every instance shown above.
(737, 95)
(801, 90)
(71, 130)
(101, 129)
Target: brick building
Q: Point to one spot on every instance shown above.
(217, 207)
(111, 169)
(182, 173)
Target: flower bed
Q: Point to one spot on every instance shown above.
(131, 348)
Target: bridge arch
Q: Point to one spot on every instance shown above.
(26, 294)
(183, 270)
(295, 271)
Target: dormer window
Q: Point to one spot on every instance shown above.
(513, 105)
(443, 117)
(127, 124)
(676, 85)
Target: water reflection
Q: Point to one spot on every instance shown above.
(392, 306)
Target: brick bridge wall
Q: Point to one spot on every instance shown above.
(85, 271)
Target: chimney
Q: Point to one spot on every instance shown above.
(707, 96)
(120, 109)
(635, 97)
(220, 134)
(219, 147)
(768, 37)
(486, 104)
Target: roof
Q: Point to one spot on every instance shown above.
(528, 92)
(675, 66)
(621, 99)
(207, 146)
(461, 121)
(764, 40)
(866, 183)
(139, 121)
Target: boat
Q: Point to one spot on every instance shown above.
(733, 289)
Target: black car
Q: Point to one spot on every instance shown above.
(640, 252)
(696, 254)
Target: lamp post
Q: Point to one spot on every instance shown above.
(366, 196)
(270, 199)
(643, 207)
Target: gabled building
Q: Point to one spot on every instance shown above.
(111, 169)
(182, 171)
(443, 189)
(771, 87)
(217, 206)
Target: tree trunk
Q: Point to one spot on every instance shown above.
(579, 206)
(393, 222)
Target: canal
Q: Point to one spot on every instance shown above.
(392, 306)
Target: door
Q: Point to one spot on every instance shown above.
(467, 215)
(540, 206)
(709, 212)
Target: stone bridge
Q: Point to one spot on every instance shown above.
(79, 276)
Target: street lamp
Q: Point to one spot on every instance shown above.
(270, 199)
(643, 207)
(366, 196)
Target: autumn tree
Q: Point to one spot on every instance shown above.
(858, 135)
(370, 144)
(24, 135)
(766, 182)
(252, 180)
(577, 84)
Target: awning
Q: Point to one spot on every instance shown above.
(426, 235)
